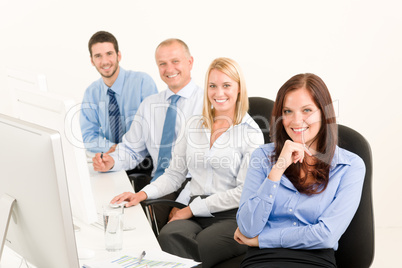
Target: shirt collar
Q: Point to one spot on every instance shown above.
(247, 119)
(117, 86)
(340, 158)
(186, 92)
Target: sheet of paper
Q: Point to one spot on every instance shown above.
(152, 259)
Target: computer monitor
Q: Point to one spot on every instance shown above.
(33, 173)
(23, 79)
(60, 113)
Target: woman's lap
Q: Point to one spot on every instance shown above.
(288, 258)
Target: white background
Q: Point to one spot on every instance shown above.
(355, 46)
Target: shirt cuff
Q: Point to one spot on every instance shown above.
(118, 165)
(268, 190)
(270, 238)
(184, 196)
(151, 191)
(199, 208)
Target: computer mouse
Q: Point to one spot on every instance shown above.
(115, 205)
(85, 253)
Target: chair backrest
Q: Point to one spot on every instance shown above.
(260, 110)
(356, 246)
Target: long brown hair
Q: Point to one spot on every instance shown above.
(326, 138)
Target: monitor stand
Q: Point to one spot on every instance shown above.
(6, 207)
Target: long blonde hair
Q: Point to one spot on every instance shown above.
(231, 69)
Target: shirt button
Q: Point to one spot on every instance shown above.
(275, 186)
(294, 223)
(290, 209)
(270, 196)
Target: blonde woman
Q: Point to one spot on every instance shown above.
(215, 149)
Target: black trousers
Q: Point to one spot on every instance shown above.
(288, 258)
(206, 239)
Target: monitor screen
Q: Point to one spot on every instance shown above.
(33, 173)
(23, 79)
(62, 114)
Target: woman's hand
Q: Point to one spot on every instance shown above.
(241, 239)
(182, 214)
(292, 152)
(131, 198)
(102, 162)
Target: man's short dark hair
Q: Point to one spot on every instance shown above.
(102, 37)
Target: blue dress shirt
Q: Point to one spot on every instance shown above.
(131, 89)
(282, 217)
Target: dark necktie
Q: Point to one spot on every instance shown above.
(114, 118)
(165, 151)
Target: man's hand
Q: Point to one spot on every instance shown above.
(132, 198)
(182, 214)
(172, 212)
(112, 149)
(102, 162)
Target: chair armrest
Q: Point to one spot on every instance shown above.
(139, 181)
(166, 202)
(149, 212)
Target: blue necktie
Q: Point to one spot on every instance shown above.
(114, 118)
(165, 151)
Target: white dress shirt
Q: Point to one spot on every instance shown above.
(218, 172)
(146, 129)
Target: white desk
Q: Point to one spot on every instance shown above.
(105, 186)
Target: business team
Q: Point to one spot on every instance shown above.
(207, 135)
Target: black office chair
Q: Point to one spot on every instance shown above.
(140, 176)
(356, 246)
(260, 109)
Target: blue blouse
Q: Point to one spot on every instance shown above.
(282, 217)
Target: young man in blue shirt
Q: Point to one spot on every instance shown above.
(126, 89)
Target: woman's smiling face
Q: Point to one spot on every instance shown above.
(301, 117)
(223, 92)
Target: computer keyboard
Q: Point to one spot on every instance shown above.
(127, 224)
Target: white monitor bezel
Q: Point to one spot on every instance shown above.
(41, 224)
